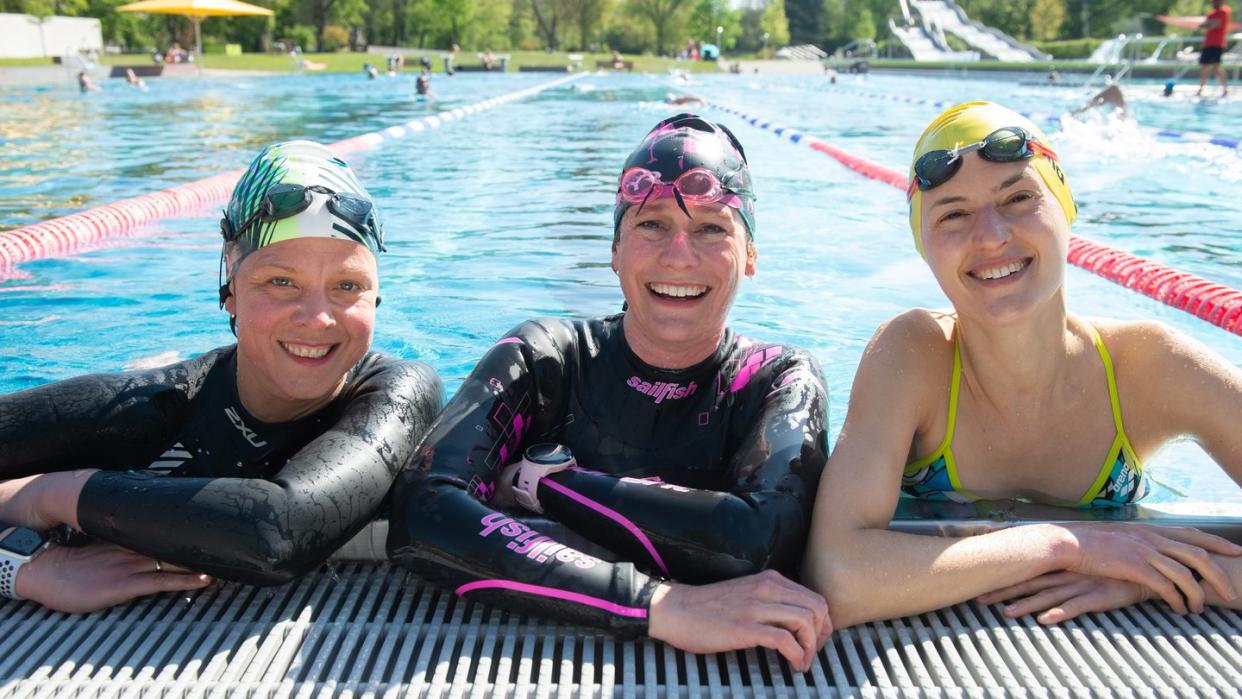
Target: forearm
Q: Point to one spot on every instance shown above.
(247, 530)
(684, 533)
(449, 537)
(43, 501)
(873, 574)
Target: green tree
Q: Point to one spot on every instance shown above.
(775, 23)
(456, 16)
(1045, 18)
(667, 17)
(863, 26)
(551, 17)
(805, 21)
(490, 25)
(707, 15)
(590, 14)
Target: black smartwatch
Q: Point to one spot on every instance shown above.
(18, 546)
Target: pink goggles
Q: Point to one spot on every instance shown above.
(698, 186)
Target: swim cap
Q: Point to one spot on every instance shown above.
(303, 163)
(969, 123)
(683, 142)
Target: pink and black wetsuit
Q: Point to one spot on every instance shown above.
(698, 475)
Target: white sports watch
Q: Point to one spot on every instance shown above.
(18, 546)
(539, 460)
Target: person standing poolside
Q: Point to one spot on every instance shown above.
(1216, 29)
(697, 450)
(252, 462)
(1011, 396)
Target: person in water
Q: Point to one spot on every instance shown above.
(251, 462)
(697, 449)
(1009, 395)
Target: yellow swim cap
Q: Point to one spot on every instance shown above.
(969, 123)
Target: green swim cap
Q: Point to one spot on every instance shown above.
(335, 204)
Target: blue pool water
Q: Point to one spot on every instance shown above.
(507, 214)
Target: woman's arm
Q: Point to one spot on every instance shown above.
(1184, 389)
(445, 528)
(758, 521)
(868, 572)
(269, 531)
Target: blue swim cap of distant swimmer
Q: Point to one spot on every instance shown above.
(299, 189)
(679, 145)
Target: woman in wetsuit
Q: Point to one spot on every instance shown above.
(1011, 396)
(697, 449)
(252, 462)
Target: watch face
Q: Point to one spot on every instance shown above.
(22, 541)
(548, 453)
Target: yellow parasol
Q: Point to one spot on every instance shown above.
(196, 10)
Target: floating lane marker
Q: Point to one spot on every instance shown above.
(1190, 136)
(69, 234)
(1216, 303)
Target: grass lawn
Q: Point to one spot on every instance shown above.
(352, 62)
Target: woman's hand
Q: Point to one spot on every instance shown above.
(766, 609)
(43, 501)
(98, 575)
(1058, 597)
(1156, 557)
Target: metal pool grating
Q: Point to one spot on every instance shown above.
(363, 629)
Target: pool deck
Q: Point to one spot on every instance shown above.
(361, 628)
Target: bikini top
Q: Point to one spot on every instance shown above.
(1120, 480)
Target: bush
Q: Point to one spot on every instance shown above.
(334, 38)
(300, 35)
(1068, 49)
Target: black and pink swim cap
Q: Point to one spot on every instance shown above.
(684, 142)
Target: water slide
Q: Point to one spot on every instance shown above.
(924, 40)
(947, 16)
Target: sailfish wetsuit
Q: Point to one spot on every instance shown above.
(243, 500)
(700, 474)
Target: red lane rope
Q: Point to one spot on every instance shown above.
(1216, 303)
(68, 234)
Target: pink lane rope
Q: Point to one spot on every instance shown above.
(1216, 303)
(75, 232)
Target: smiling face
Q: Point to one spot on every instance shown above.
(996, 239)
(305, 312)
(679, 276)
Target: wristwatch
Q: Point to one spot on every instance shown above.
(18, 546)
(539, 460)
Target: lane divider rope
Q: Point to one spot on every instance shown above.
(1189, 136)
(1216, 303)
(68, 234)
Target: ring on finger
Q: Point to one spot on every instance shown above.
(159, 568)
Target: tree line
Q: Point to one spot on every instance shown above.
(631, 26)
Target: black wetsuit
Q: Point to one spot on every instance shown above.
(245, 500)
(699, 475)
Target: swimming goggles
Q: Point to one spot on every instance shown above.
(285, 200)
(1004, 145)
(699, 186)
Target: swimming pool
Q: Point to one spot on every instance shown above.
(507, 214)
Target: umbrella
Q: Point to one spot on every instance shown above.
(196, 10)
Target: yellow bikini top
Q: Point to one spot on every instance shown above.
(1120, 480)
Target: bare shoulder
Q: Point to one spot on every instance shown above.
(914, 338)
(911, 353)
(1149, 348)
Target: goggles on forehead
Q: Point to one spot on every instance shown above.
(698, 186)
(285, 200)
(1004, 145)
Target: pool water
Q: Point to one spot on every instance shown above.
(506, 214)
